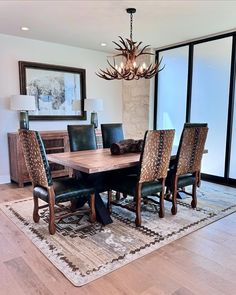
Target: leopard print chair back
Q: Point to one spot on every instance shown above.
(156, 154)
(35, 158)
(191, 148)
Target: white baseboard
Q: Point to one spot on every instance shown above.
(5, 179)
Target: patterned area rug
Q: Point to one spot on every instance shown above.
(84, 252)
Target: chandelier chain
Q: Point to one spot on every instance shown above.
(131, 26)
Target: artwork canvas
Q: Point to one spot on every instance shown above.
(59, 91)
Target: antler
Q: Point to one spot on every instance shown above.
(130, 51)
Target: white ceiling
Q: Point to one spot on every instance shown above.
(88, 23)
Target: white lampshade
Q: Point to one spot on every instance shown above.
(93, 104)
(23, 103)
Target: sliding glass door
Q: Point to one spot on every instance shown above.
(172, 90)
(210, 96)
(198, 85)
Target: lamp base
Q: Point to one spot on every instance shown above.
(94, 119)
(24, 120)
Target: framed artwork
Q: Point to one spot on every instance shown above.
(59, 91)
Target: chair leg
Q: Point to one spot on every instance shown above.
(138, 206)
(73, 206)
(36, 216)
(109, 200)
(198, 178)
(174, 195)
(194, 195)
(92, 216)
(52, 227)
(162, 196)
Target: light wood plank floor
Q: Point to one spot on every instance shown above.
(203, 262)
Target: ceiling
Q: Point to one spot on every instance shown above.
(88, 23)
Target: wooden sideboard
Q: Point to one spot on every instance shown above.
(54, 141)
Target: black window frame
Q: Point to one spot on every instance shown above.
(226, 180)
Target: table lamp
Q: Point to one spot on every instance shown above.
(93, 105)
(23, 103)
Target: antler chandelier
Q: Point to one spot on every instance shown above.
(129, 51)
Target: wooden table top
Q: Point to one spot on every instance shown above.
(93, 161)
(100, 160)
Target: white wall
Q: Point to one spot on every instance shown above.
(13, 49)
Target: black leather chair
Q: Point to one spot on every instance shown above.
(154, 163)
(44, 188)
(111, 133)
(185, 169)
(82, 137)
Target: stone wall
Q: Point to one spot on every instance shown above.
(136, 96)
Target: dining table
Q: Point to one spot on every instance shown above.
(95, 166)
(99, 160)
(95, 162)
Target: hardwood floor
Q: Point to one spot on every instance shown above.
(203, 262)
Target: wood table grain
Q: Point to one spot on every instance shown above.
(93, 161)
(100, 160)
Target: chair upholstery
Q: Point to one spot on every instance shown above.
(127, 185)
(52, 192)
(82, 137)
(111, 133)
(153, 166)
(185, 170)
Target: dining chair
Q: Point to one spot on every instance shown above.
(111, 133)
(82, 137)
(185, 169)
(150, 179)
(53, 192)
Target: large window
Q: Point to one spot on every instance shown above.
(210, 95)
(195, 86)
(172, 91)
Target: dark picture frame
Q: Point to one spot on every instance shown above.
(59, 90)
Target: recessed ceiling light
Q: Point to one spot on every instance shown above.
(24, 29)
(103, 44)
